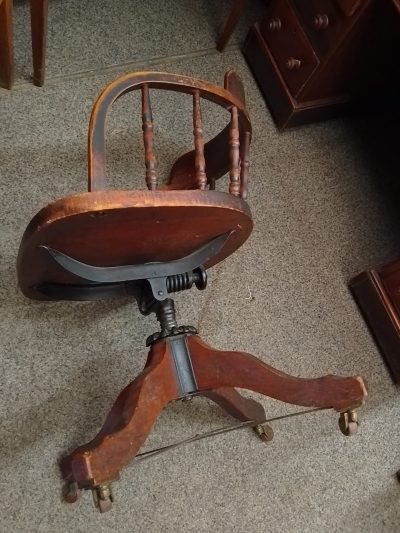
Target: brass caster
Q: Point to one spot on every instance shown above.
(264, 432)
(71, 492)
(103, 498)
(348, 423)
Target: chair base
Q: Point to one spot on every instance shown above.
(182, 365)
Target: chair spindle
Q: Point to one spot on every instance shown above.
(244, 164)
(234, 183)
(148, 139)
(200, 162)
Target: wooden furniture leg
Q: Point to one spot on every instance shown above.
(230, 23)
(214, 369)
(127, 425)
(6, 44)
(244, 409)
(39, 9)
(231, 401)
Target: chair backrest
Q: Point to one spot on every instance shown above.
(167, 223)
(228, 151)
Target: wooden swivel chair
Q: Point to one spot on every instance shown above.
(149, 244)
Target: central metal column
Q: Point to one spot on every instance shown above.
(183, 364)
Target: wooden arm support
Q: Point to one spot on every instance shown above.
(216, 373)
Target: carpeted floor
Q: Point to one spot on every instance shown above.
(321, 213)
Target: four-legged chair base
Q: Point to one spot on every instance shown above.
(181, 365)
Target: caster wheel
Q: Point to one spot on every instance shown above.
(103, 498)
(348, 423)
(71, 492)
(104, 505)
(264, 432)
(352, 429)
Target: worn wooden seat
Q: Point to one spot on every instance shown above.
(149, 244)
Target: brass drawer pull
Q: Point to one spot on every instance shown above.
(293, 64)
(275, 24)
(321, 22)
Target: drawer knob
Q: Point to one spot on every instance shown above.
(293, 64)
(275, 24)
(321, 22)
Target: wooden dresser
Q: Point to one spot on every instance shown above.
(377, 293)
(312, 58)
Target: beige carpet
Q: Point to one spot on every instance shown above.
(321, 215)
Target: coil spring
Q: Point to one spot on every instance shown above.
(181, 282)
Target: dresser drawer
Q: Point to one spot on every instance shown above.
(324, 23)
(288, 44)
(349, 7)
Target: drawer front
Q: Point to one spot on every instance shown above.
(349, 7)
(288, 44)
(324, 23)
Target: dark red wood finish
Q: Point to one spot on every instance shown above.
(38, 9)
(315, 59)
(164, 223)
(230, 23)
(6, 44)
(377, 293)
(109, 228)
(216, 373)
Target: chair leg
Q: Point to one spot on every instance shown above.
(230, 23)
(214, 369)
(6, 44)
(127, 425)
(39, 10)
(236, 405)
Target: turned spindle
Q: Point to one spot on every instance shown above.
(200, 162)
(244, 164)
(148, 139)
(234, 183)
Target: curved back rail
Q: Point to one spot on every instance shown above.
(228, 151)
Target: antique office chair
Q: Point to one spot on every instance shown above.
(149, 244)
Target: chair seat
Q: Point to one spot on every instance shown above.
(115, 228)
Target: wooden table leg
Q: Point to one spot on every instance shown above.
(39, 10)
(230, 23)
(6, 44)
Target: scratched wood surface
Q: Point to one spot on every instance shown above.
(110, 228)
(216, 373)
